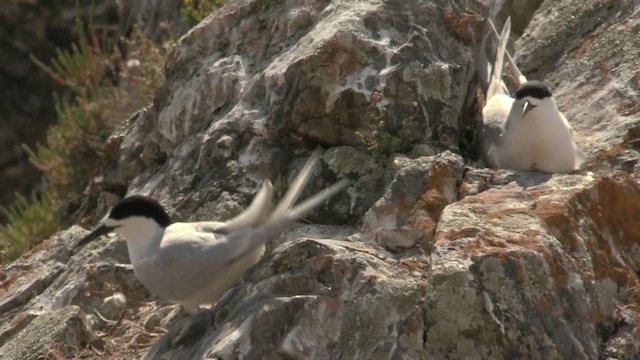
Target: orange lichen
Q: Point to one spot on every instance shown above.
(6, 281)
(614, 222)
(520, 271)
(490, 244)
(601, 263)
(584, 45)
(424, 212)
(412, 326)
(527, 239)
(506, 212)
(559, 273)
(627, 107)
(618, 216)
(464, 27)
(434, 199)
(624, 276)
(559, 223)
(461, 233)
(492, 197)
(605, 70)
(545, 304)
(421, 220)
(595, 315)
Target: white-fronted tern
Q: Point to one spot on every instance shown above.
(194, 264)
(525, 133)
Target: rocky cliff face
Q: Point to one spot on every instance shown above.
(435, 256)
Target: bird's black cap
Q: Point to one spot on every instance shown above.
(140, 205)
(535, 89)
(136, 205)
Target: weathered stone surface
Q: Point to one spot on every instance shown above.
(62, 333)
(523, 264)
(327, 72)
(409, 211)
(435, 258)
(313, 300)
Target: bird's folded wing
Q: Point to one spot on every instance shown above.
(496, 86)
(205, 238)
(494, 116)
(491, 141)
(516, 71)
(484, 67)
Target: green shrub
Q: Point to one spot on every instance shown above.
(194, 11)
(29, 221)
(75, 145)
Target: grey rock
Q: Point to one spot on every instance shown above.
(113, 305)
(25, 283)
(60, 333)
(294, 315)
(408, 212)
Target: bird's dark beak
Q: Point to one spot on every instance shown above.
(528, 106)
(96, 233)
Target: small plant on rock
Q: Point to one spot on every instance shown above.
(106, 89)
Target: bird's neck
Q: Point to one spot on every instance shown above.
(140, 247)
(141, 234)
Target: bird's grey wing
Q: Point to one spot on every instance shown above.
(260, 207)
(181, 267)
(257, 211)
(279, 221)
(294, 191)
(484, 66)
(496, 86)
(210, 226)
(249, 239)
(491, 141)
(516, 71)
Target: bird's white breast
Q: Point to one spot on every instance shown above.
(540, 141)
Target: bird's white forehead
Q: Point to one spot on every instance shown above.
(535, 101)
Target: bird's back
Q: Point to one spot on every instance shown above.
(191, 267)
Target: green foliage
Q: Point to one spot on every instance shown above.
(75, 145)
(29, 220)
(73, 149)
(64, 157)
(194, 11)
(81, 68)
